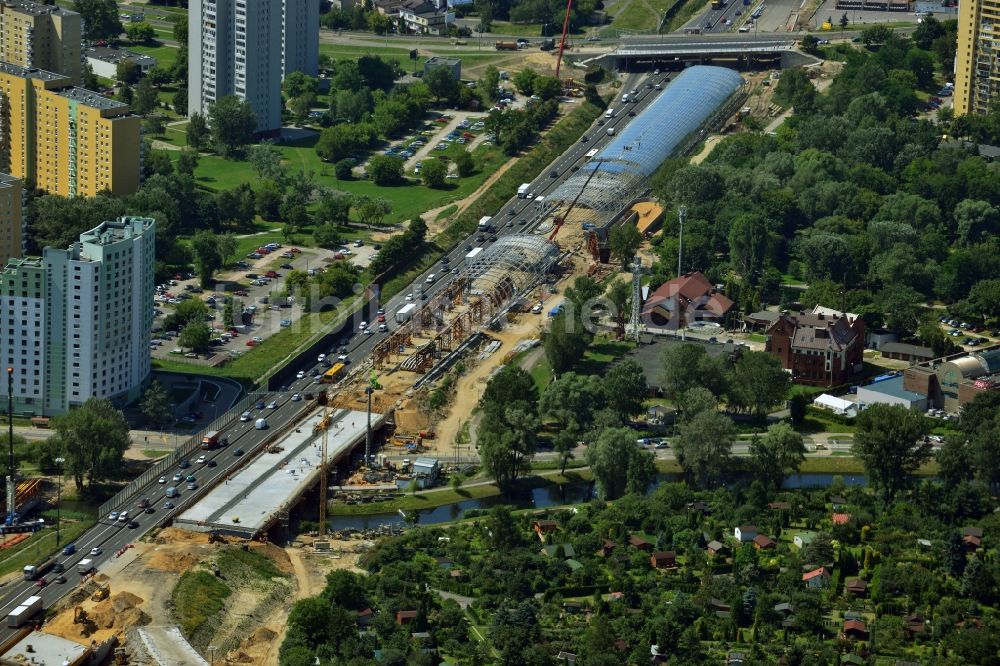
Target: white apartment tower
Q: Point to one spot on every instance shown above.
(245, 47)
(76, 323)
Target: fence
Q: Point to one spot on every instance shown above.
(182, 451)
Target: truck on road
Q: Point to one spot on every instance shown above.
(611, 131)
(404, 313)
(212, 439)
(33, 572)
(506, 46)
(471, 257)
(484, 223)
(84, 567)
(522, 190)
(28, 609)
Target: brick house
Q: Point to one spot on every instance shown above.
(690, 297)
(821, 348)
(665, 559)
(763, 542)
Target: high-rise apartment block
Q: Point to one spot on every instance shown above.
(39, 35)
(242, 48)
(300, 37)
(75, 323)
(11, 216)
(63, 139)
(977, 60)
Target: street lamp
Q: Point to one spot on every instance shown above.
(211, 654)
(61, 462)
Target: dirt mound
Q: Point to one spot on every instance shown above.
(172, 561)
(124, 601)
(101, 578)
(174, 536)
(238, 657)
(275, 554)
(259, 635)
(118, 620)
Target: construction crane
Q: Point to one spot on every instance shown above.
(560, 220)
(562, 41)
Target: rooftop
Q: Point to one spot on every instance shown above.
(442, 60)
(35, 8)
(116, 55)
(91, 99)
(31, 72)
(6, 180)
(41, 648)
(905, 348)
(108, 233)
(893, 388)
(271, 482)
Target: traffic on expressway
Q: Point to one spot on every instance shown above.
(281, 408)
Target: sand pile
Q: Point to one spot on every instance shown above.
(171, 561)
(238, 657)
(259, 635)
(120, 612)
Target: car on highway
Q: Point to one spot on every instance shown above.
(177, 477)
(211, 463)
(162, 479)
(144, 502)
(238, 452)
(60, 579)
(299, 375)
(296, 397)
(319, 359)
(202, 460)
(192, 486)
(41, 582)
(150, 509)
(95, 551)
(186, 463)
(273, 404)
(553, 174)
(132, 525)
(113, 516)
(168, 505)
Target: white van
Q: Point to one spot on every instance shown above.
(261, 424)
(171, 492)
(610, 113)
(123, 517)
(431, 278)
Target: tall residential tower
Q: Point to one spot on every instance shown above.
(977, 60)
(245, 48)
(76, 322)
(39, 35)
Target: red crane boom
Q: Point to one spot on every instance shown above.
(562, 219)
(562, 42)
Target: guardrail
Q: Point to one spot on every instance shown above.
(182, 451)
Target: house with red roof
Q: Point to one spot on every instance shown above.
(841, 518)
(817, 578)
(690, 297)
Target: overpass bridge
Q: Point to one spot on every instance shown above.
(677, 53)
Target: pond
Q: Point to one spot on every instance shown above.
(546, 496)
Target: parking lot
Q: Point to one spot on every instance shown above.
(256, 283)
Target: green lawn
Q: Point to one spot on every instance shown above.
(40, 545)
(638, 17)
(408, 200)
(166, 56)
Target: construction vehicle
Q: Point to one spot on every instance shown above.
(79, 615)
(506, 46)
(102, 593)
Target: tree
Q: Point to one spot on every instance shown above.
(618, 465)
(93, 440)
(441, 84)
(571, 400)
(233, 123)
(704, 446)
(140, 33)
(548, 87)
(197, 131)
(954, 555)
(688, 365)
(465, 164)
(844, 21)
(266, 161)
(372, 211)
(507, 442)
(876, 35)
(625, 388)
(297, 84)
(900, 307)
(433, 172)
(207, 257)
(334, 208)
(127, 72)
(489, 85)
(181, 30)
(565, 342)
(509, 386)
(344, 169)
(779, 452)
(524, 81)
(385, 169)
(694, 401)
(145, 97)
(926, 32)
(100, 19)
(758, 383)
(625, 240)
(889, 443)
(195, 336)
(301, 106)
(155, 405)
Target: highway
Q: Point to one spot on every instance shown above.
(111, 536)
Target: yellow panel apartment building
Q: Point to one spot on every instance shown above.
(11, 222)
(977, 61)
(63, 139)
(43, 36)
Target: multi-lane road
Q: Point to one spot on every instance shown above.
(109, 536)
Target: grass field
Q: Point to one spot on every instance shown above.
(198, 596)
(40, 545)
(166, 56)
